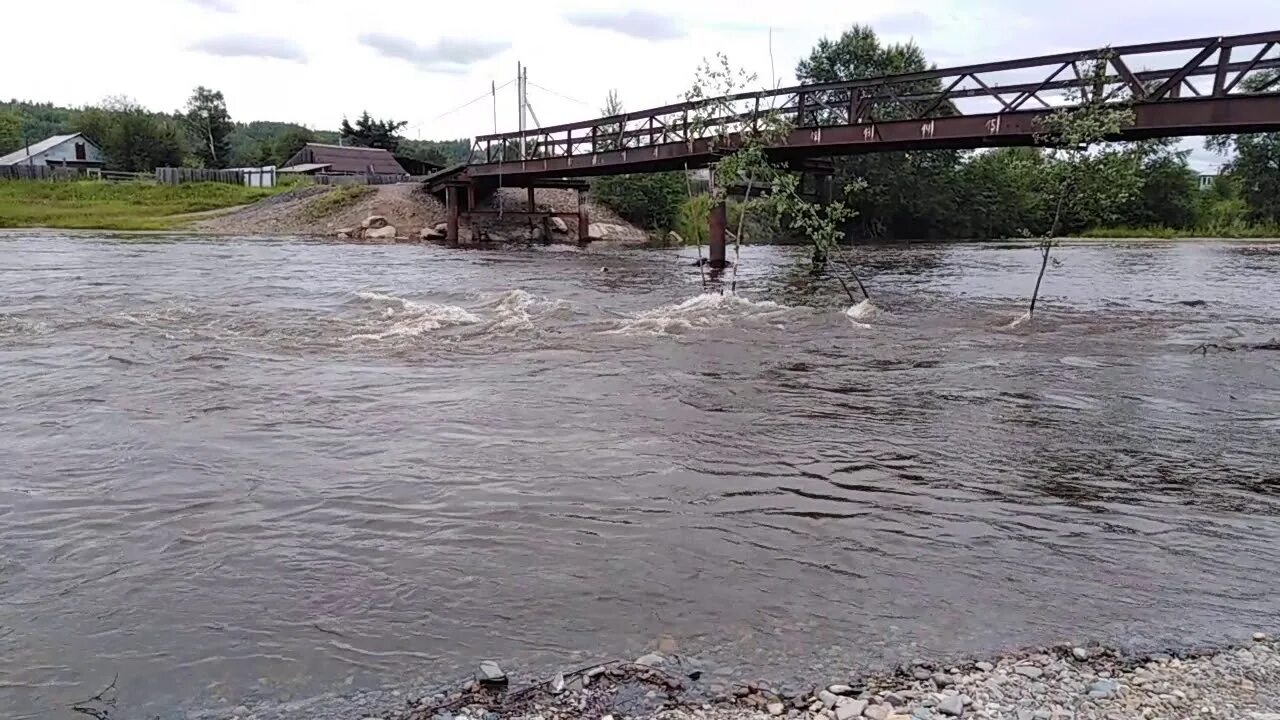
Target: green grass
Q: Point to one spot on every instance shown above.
(1238, 231)
(340, 197)
(116, 206)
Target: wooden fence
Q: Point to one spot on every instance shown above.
(323, 179)
(40, 172)
(179, 176)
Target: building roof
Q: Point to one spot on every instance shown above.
(347, 159)
(306, 168)
(18, 156)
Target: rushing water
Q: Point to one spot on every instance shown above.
(267, 469)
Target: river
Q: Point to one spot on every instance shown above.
(267, 469)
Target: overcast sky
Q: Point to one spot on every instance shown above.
(314, 61)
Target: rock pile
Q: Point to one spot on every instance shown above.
(374, 228)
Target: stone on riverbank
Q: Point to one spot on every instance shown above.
(952, 706)
(850, 709)
(383, 232)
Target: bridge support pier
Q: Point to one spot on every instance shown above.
(715, 238)
(584, 223)
(451, 214)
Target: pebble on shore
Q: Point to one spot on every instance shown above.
(1241, 683)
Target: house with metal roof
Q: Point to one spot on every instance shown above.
(58, 151)
(343, 160)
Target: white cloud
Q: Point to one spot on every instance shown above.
(223, 6)
(641, 24)
(250, 46)
(341, 76)
(448, 55)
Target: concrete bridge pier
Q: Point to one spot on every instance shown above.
(716, 237)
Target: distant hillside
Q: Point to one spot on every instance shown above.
(259, 142)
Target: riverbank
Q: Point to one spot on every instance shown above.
(1058, 683)
(1244, 232)
(118, 206)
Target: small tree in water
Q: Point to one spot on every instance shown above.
(740, 132)
(1071, 135)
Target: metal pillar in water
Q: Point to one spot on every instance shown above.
(584, 223)
(451, 209)
(718, 221)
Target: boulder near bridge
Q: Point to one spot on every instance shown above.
(1175, 89)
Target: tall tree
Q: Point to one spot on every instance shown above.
(368, 132)
(905, 193)
(10, 133)
(210, 126)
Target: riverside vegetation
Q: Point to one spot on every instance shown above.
(117, 206)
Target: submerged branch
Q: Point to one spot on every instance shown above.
(737, 239)
(106, 698)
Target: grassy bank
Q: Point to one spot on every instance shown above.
(95, 205)
(1235, 232)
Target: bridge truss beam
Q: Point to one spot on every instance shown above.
(1196, 87)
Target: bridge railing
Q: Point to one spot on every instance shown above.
(1213, 67)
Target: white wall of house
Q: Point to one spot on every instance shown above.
(66, 151)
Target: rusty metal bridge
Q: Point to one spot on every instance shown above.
(1175, 89)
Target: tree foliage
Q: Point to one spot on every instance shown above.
(10, 133)
(209, 127)
(1255, 165)
(440, 152)
(368, 132)
(651, 201)
(905, 194)
(132, 138)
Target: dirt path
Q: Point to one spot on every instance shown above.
(323, 211)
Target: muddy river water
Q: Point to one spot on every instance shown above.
(244, 468)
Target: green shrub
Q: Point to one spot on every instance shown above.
(649, 201)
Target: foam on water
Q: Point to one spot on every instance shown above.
(701, 311)
(405, 318)
(517, 311)
(500, 313)
(865, 310)
(1019, 321)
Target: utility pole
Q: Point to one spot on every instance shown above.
(521, 76)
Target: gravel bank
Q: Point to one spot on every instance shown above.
(406, 206)
(1061, 683)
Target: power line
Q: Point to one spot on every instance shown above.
(558, 94)
(472, 102)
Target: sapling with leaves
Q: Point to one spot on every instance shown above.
(741, 129)
(1071, 135)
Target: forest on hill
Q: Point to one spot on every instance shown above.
(203, 134)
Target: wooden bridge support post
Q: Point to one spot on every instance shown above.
(451, 210)
(533, 207)
(718, 220)
(584, 223)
